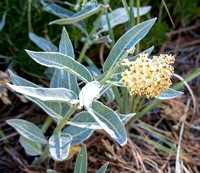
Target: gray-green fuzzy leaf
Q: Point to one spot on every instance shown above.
(109, 121)
(127, 41)
(31, 148)
(47, 94)
(53, 109)
(103, 168)
(78, 134)
(83, 14)
(85, 120)
(59, 145)
(3, 21)
(28, 130)
(63, 62)
(169, 94)
(119, 16)
(62, 78)
(81, 161)
(62, 13)
(42, 43)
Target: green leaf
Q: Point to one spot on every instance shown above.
(62, 13)
(62, 78)
(47, 94)
(78, 134)
(51, 108)
(109, 121)
(42, 43)
(88, 93)
(81, 161)
(119, 16)
(103, 39)
(85, 120)
(28, 130)
(127, 41)
(51, 171)
(3, 21)
(63, 62)
(83, 14)
(169, 94)
(103, 168)
(148, 51)
(31, 148)
(65, 45)
(59, 145)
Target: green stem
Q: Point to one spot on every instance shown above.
(138, 21)
(59, 127)
(132, 17)
(46, 124)
(135, 102)
(157, 101)
(29, 17)
(86, 45)
(42, 157)
(111, 72)
(126, 100)
(118, 97)
(141, 103)
(127, 11)
(110, 29)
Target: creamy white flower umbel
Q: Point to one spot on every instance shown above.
(149, 76)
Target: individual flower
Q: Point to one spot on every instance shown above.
(149, 76)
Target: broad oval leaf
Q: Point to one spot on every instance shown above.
(62, 78)
(28, 130)
(83, 14)
(119, 16)
(42, 43)
(31, 148)
(127, 41)
(169, 94)
(63, 62)
(62, 13)
(59, 145)
(47, 94)
(81, 161)
(109, 121)
(78, 134)
(85, 120)
(88, 93)
(103, 168)
(53, 109)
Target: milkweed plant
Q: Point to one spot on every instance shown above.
(140, 74)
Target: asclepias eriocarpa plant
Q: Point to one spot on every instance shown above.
(64, 96)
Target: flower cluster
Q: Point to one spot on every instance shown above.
(149, 76)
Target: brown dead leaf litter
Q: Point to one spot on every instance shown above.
(145, 151)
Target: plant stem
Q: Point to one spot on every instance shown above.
(59, 127)
(111, 72)
(135, 102)
(42, 157)
(118, 97)
(46, 124)
(86, 45)
(29, 17)
(141, 103)
(138, 21)
(132, 17)
(157, 101)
